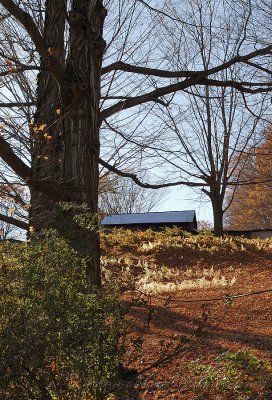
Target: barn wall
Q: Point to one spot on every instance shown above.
(266, 234)
(254, 234)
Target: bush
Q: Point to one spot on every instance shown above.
(237, 375)
(56, 342)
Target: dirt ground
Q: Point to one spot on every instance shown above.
(199, 325)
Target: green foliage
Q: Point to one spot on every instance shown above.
(243, 359)
(235, 375)
(56, 341)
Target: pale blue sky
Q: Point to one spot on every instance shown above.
(179, 199)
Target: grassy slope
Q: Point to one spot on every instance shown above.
(171, 260)
(222, 348)
(217, 341)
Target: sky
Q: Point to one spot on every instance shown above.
(181, 199)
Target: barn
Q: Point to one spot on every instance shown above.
(154, 220)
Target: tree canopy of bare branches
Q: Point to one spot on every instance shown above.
(85, 82)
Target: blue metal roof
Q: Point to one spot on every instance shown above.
(171, 217)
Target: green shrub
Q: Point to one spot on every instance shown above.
(56, 342)
(243, 359)
(237, 375)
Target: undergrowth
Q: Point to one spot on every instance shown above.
(150, 240)
(172, 260)
(56, 341)
(237, 375)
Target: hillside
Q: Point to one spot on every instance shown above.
(197, 309)
(184, 317)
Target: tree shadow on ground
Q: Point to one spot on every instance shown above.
(195, 330)
(222, 326)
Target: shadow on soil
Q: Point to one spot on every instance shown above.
(203, 329)
(217, 329)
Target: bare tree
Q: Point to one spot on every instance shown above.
(201, 132)
(119, 195)
(211, 143)
(85, 86)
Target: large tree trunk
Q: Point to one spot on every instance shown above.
(47, 143)
(217, 216)
(67, 149)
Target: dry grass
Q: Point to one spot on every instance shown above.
(172, 260)
(147, 241)
(152, 282)
(222, 336)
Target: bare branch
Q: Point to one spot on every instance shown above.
(17, 70)
(148, 185)
(52, 189)
(25, 19)
(14, 221)
(164, 13)
(121, 66)
(200, 80)
(18, 104)
(252, 64)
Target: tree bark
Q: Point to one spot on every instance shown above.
(47, 143)
(217, 217)
(67, 148)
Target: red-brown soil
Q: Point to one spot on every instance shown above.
(193, 326)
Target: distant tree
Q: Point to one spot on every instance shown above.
(119, 195)
(251, 207)
(204, 225)
(202, 133)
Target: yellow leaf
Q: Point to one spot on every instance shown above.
(58, 111)
(42, 127)
(51, 51)
(31, 229)
(11, 210)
